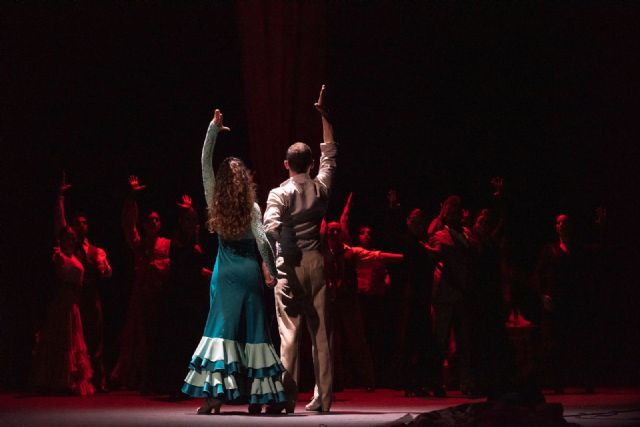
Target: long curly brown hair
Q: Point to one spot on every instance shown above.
(233, 198)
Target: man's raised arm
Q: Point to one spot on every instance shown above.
(328, 147)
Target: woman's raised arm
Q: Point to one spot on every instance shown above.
(208, 177)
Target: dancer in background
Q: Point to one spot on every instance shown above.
(235, 361)
(61, 362)
(96, 270)
(372, 282)
(415, 342)
(151, 263)
(185, 298)
(349, 343)
(453, 250)
(491, 360)
(565, 282)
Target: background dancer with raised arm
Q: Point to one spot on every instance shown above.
(151, 265)
(96, 270)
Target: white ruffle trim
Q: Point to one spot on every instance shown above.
(254, 356)
(259, 386)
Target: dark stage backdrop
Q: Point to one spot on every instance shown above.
(283, 65)
(429, 99)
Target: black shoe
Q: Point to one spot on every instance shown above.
(277, 408)
(255, 408)
(210, 405)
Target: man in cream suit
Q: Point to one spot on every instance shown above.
(292, 219)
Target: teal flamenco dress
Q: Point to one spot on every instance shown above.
(235, 360)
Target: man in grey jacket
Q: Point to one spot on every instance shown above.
(292, 219)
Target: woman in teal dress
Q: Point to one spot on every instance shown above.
(235, 361)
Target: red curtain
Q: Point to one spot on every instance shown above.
(284, 60)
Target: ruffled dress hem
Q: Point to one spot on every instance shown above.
(236, 372)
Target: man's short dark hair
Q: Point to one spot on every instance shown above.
(299, 157)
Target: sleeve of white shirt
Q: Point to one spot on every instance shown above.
(273, 217)
(327, 169)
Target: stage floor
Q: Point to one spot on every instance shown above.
(606, 407)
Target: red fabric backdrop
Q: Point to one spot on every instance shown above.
(284, 61)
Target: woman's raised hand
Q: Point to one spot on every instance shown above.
(218, 120)
(135, 184)
(64, 185)
(186, 202)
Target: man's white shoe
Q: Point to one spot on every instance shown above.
(314, 405)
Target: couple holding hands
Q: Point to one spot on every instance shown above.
(235, 361)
